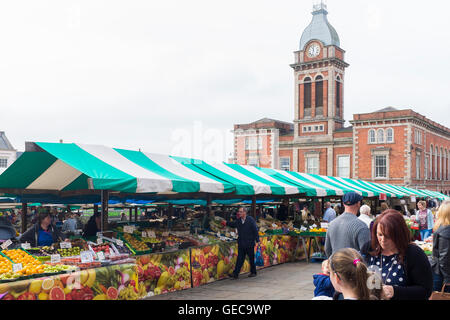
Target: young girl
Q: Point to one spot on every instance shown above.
(349, 275)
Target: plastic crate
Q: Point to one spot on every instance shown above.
(132, 249)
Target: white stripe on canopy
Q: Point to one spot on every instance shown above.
(258, 187)
(320, 192)
(289, 189)
(56, 177)
(147, 181)
(338, 191)
(175, 167)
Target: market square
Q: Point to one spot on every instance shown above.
(346, 198)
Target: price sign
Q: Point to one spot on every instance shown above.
(144, 234)
(165, 234)
(100, 256)
(119, 242)
(112, 254)
(65, 245)
(99, 234)
(17, 267)
(413, 199)
(324, 225)
(99, 240)
(114, 249)
(55, 258)
(314, 226)
(86, 257)
(233, 234)
(6, 244)
(26, 246)
(151, 234)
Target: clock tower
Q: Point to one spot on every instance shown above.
(319, 71)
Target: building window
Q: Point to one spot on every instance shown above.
(338, 98)
(3, 162)
(425, 168)
(418, 137)
(436, 163)
(418, 160)
(380, 167)
(389, 135)
(440, 164)
(312, 165)
(380, 136)
(285, 164)
(307, 97)
(372, 136)
(260, 145)
(431, 162)
(319, 96)
(252, 160)
(247, 143)
(343, 166)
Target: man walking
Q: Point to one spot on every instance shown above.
(329, 214)
(247, 236)
(347, 231)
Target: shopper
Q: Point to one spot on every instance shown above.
(322, 282)
(347, 231)
(441, 248)
(349, 275)
(247, 236)
(405, 270)
(365, 215)
(70, 224)
(42, 233)
(329, 214)
(283, 210)
(424, 218)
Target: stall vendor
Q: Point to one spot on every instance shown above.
(43, 233)
(93, 225)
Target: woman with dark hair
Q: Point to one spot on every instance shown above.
(405, 270)
(42, 233)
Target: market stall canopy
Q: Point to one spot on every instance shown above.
(66, 167)
(248, 180)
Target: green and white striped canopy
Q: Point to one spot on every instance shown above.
(70, 166)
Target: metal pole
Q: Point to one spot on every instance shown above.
(24, 216)
(104, 213)
(135, 214)
(254, 207)
(131, 214)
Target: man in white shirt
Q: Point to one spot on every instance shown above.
(329, 214)
(365, 215)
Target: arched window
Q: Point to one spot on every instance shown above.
(431, 162)
(372, 138)
(307, 97)
(436, 154)
(390, 135)
(319, 96)
(441, 164)
(338, 97)
(380, 136)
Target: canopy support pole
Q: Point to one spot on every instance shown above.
(24, 216)
(208, 204)
(105, 200)
(254, 206)
(131, 214)
(136, 214)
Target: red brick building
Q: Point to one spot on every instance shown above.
(387, 146)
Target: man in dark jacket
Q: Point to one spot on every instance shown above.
(247, 236)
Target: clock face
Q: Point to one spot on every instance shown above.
(313, 50)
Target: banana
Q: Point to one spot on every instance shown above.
(92, 275)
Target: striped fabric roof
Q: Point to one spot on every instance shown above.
(70, 166)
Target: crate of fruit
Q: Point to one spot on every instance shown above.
(134, 243)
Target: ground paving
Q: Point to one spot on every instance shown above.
(289, 281)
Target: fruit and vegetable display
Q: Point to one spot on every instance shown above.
(111, 283)
(69, 252)
(136, 244)
(162, 273)
(5, 265)
(30, 265)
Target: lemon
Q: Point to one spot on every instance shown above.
(43, 296)
(35, 286)
(67, 290)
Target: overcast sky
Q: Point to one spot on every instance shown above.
(173, 76)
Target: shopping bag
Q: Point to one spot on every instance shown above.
(436, 295)
(259, 261)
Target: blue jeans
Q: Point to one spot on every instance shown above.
(425, 234)
(438, 283)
